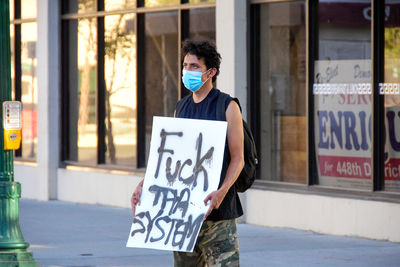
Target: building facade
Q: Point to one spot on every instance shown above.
(318, 82)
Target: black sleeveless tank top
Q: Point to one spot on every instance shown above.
(230, 207)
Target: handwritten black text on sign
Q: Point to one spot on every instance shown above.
(171, 225)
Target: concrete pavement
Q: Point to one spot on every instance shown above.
(68, 234)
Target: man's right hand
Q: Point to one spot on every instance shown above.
(135, 199)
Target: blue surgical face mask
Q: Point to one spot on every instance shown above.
(192, 79)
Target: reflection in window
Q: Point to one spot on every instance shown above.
(29, 89)
(11, 5)
(79, 6)
(161, 61)
(154, 3)
(82, 90)
(12, 55)
(23, 38)
(282, 92)
(28, 9)
(343, 119)
(200, 1)
(392, 100)
(120, 95)
(102, 128)
(119, 4)
(202, 23)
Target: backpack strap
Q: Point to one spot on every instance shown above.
(221, 116)
(180, 104)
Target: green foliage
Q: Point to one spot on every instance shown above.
(151, 3)
(392, 42)
(117, 40)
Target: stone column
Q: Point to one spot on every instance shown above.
(231, 39)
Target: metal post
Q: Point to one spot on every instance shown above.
(12, 244)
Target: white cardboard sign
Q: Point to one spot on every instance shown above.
(184, 166)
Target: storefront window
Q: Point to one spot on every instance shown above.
(11, 7)
(79, 6)
(12, 55)
(120, 93)
(28, 9)
(154, 3)
(200, 1)
(282, 85)
(82, 90)
(202, 23)
(342, 94)
(118, 4)
(118, 71)
(23, 39)
(161, 63)
(29, 89)
(391, 89)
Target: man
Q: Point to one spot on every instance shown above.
(217, 243)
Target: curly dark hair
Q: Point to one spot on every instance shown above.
(203, 49)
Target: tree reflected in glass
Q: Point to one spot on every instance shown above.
(120, 69)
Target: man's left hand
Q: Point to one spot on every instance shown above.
(215, 199)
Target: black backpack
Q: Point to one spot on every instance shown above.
(248, 174)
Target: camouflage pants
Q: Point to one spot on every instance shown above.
(217, 245)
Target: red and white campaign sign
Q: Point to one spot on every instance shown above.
(343, 102)
(392, 147)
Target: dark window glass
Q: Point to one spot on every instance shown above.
(82, 45)
(79, 6)
(202, 23)
(282, 92)
(120, 95)
(342, 115)
(161, 67)
(391, 88)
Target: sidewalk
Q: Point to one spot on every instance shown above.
(68, 234)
